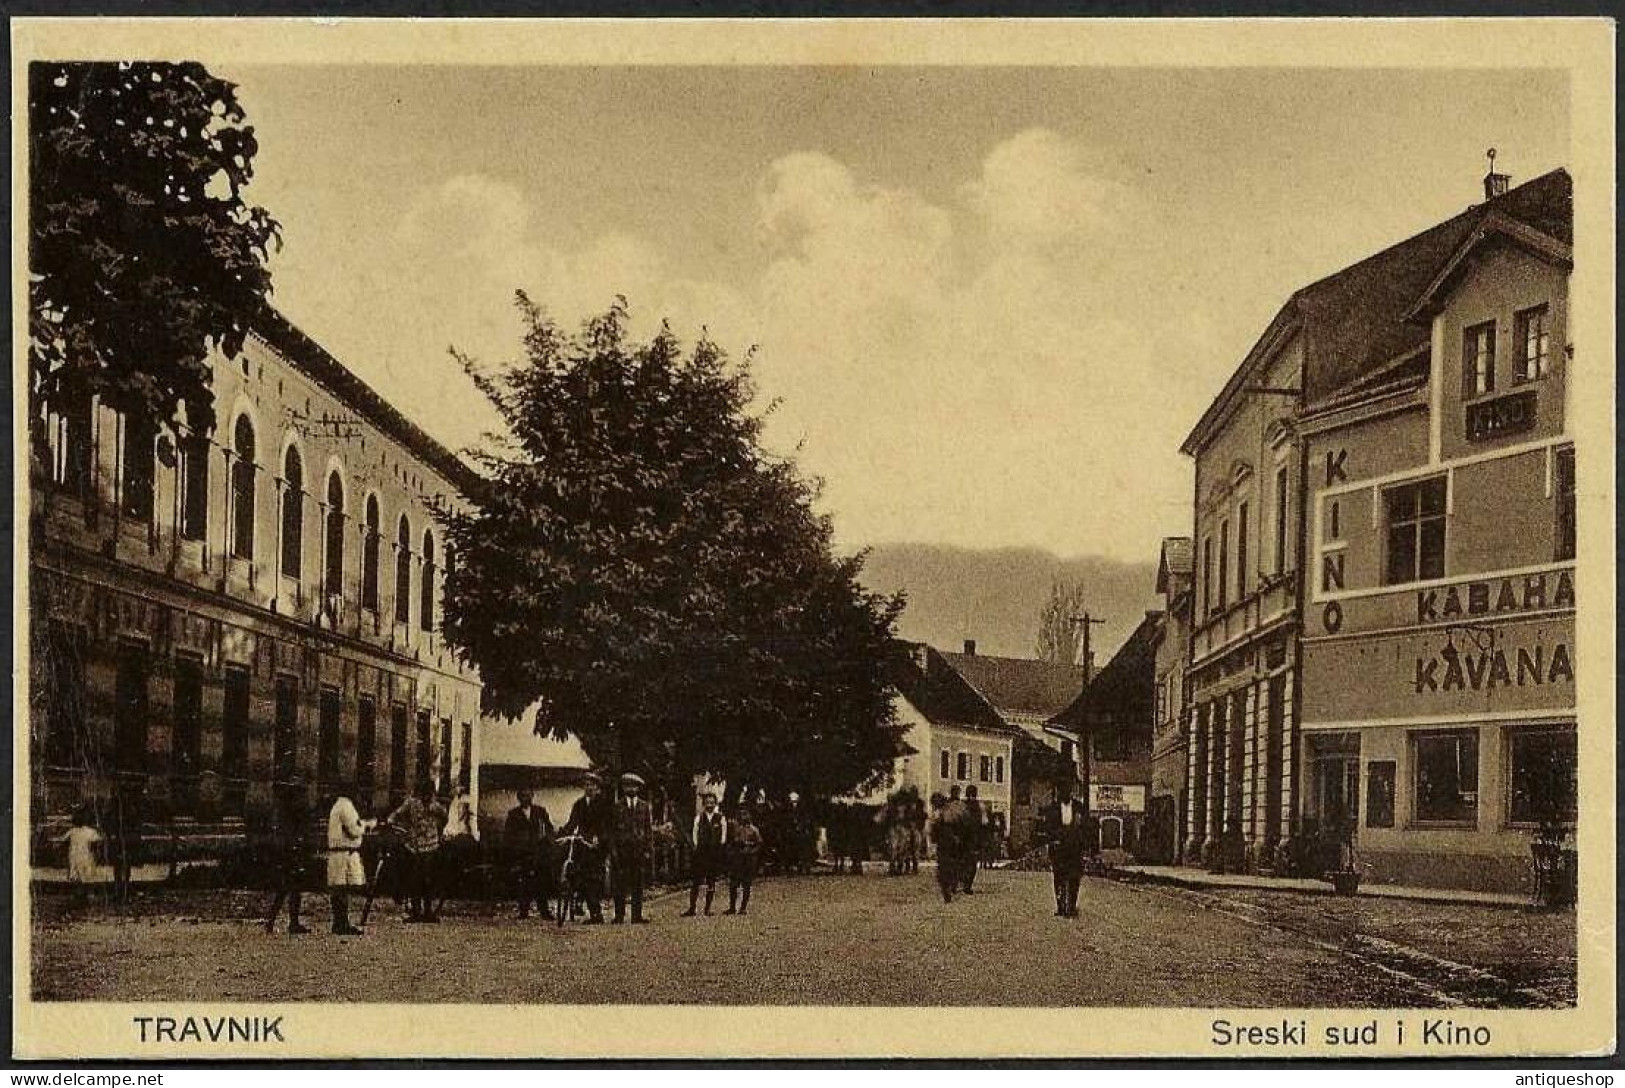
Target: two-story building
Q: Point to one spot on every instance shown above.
(1438, 710)
(212, 613)
(1166, 810)
(1111, 720)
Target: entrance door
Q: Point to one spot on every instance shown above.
(1340, 793)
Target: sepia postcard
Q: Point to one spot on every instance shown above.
(813, 539)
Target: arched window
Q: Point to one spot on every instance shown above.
(369, 557)
(403, 572)
(242, 490)
(334, 583)
(293, 513)
(426, 600)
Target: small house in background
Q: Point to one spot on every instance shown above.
(513, 758)
(1111, 722)
(1026, 693)
(957, 737)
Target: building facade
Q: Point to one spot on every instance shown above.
(1111, 721)
(1439, 722)
(1401, 425)
(214, 614)
(1166, 810)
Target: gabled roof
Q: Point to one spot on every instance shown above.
(1494, 226)
(1357, 319)
(1178, 557)
(939, 692)
(1123, 689)
(1015, 685)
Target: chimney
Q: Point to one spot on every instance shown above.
(1495, 184)
(970, 647)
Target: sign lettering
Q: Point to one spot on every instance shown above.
(1528, 594)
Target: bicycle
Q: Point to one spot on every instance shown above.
(571, 892)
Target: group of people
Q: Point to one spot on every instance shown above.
(617, 836)
(962, 832)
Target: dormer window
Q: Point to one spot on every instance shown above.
(1478, 359)
(1534, 344)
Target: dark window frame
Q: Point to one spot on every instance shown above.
(243, 487)
(1418, 739)
(1243, 582)
(329, 735)
(1478, 343)
(1282, 499)
(195, 488)
(236, 720)
(293, 514)
(366, 743)
(1538, 319)
(1409, 515)
(1569, 813)
(1565, 501)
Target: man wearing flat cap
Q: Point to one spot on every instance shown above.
(631, 846)
(593, 818)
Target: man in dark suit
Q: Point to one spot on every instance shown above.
(525, 838)
(592, 817)
(631, 846)
(1065, 827)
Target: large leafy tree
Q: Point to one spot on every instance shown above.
(659, 585)
(1058, 635)
(143, 254)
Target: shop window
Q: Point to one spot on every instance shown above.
(1416, 531)
(1544, 767)
(944, 761)
(136, 469)
(195, 488)
(962, 770)
(1478, 359)
(285, 738)
(293, 514)
(234, 724)
(397, 748)
(366, 743)
(1534, 344)
(131, 706)
(1379, 794)
(1563, 488)
(328, 737)
(1446, 777)
(242, 490)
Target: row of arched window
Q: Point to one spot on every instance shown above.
(243, 515)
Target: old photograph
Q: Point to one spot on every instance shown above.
(636, 529)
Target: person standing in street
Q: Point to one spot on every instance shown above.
(420, 819)
(944, 833)
(129, 817)
(631, 849)
(345, 873)
(710, 838)
(745, 850)
(525, 837)
(289, 856)
(975, 832)
(954, 834)
(1065, 828)
(592, 818)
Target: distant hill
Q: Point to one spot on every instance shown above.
(995, 595)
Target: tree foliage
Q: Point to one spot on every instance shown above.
(142, 252)
(1059, 638)
(644, 571)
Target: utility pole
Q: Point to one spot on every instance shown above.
(1086, 621)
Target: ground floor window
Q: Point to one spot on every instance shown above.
(1544, 767)
(962, 770)
(1446, 776)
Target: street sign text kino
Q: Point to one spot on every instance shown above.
(1106, 798)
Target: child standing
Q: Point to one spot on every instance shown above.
(747, 849)
(82, 839)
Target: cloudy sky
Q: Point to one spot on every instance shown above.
(992, 301)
